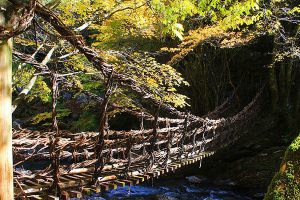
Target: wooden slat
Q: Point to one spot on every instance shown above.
(64, 179)
(51, 197)
(134, 180)
(35, 197)
(43, 182)
(75, 194)
(104, 186)
(127, 182)
(108, 181)
(171, 168)
(161, 171)
(31, 183)
(140, 178)
(87, 191)
(146, 177)
(153, 174)
(72, 177)
(83, 178)
(120, 183)
(112, 185)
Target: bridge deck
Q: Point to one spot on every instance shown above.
(78, 184)
(127, 158)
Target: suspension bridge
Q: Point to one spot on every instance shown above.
(78, 164)
(61, 165)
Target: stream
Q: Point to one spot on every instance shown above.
(171, 189)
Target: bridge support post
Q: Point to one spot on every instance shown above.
(6, 158)
(53, 150)
(128, 153)
(99, 144)
(169, 144)
(153, 139)
(182, 149)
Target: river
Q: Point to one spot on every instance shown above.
(172, 189)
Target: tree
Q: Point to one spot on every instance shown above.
(10, 24)
(6, 161)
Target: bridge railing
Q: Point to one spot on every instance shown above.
(127, 151)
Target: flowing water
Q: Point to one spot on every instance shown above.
(171, 190)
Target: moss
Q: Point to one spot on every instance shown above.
(86, 122)
(286, 183)
(295, 146)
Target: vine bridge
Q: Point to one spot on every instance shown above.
(60, 164)
(78, 164)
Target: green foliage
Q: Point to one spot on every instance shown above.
(40, 90)
(112, 24)
(295, 146)
(161, 80)
(295, 10)
(78, 63)
(42, 117)
(232, 14)
(22, 76)
(86, 122)
(286, 183)
(171, 14)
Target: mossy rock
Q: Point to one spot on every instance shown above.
(286, 183)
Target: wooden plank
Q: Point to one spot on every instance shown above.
(31, 183)
(43, 182)
(87, 175)
(167, 170)
(134, 180)
(127, 182)
(72, 177)
(146, 177)
(65, 195)
(140, 178)
(64, 179)
(71, 183)
(112, 185)
(190, 161)
(89, 191)
(161, 171)
(35, 197)
(51, 197)
(153, 174)
(96, 189)
(172, 167)
(120, 183)
(84, 178)
(75, 194)
(107, 178)
(104, 187)
(176, 166)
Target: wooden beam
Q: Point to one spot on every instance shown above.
(6, 159)
(75, 194)
(51, 197)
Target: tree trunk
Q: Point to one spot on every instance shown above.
(273, 88)
(6, 160)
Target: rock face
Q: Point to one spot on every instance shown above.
(286, 183)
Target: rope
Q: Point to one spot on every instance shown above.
(169, 144)
(55, 151)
